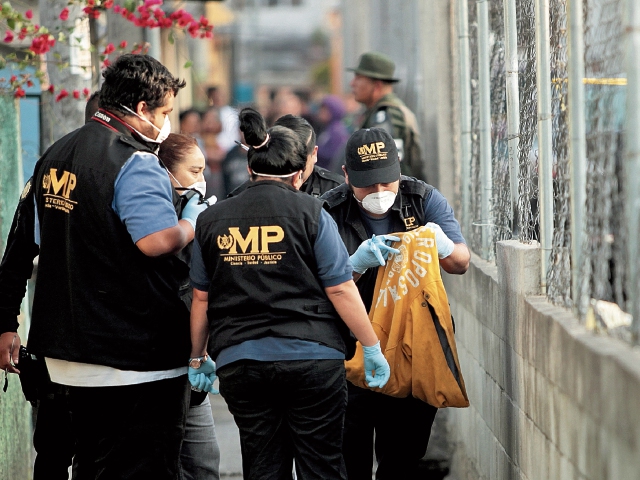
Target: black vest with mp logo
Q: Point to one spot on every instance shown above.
(258, 248)
(99, 299)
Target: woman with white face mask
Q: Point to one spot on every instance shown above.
(184, 161)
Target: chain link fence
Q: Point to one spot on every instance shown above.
(602, 274)
(501, 201)
(559, 275)
(528, 223)
(603, 271)
(475, 209)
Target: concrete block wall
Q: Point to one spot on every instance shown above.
(549, 400)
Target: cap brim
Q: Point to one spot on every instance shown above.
(366, 178)
(375, 76)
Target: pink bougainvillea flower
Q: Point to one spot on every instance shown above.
(19, 93)
(29, 14)
(51, 88)
(86, 92)
(42, 44)
(13, 79)
(64, 14)
(123, 44)
(109, 49)
(8, 36)
(63, 94)
(76, 94)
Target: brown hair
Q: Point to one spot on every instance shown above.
(175, 149)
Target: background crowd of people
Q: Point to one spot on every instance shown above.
(216, 130)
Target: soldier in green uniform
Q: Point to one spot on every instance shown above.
(372, 86)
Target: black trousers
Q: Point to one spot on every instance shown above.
(131, 431)
(286, 410)
(53, 438)
(402, 428)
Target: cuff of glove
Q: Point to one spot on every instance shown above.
(191, 222)
(357, 268)
(372, 350)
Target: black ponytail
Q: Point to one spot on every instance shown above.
(254, 127)
(279, 150)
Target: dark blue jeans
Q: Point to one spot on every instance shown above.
(402, 428)
(286, 410)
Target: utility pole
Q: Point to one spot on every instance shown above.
(60, 118)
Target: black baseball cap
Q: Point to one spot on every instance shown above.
(372, 157)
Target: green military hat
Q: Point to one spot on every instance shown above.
(376, 65)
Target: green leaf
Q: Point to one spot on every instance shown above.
(11, 23)
(188, 64)
(172, 38)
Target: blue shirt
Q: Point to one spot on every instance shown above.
(143, 196)
(334, 268)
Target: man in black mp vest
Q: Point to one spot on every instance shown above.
(107, 318)
(377, 200)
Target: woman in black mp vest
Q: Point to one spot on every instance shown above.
(273, 303)
(185, 164)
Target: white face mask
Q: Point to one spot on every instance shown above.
(200, 187)
(163, 132)
(379, 202)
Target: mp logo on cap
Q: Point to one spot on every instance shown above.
(372, 151)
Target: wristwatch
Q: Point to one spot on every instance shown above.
(197, 362)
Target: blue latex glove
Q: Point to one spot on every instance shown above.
(373, 252)
(192, 209)
(202, 378)
(443, 243)
(374, 360)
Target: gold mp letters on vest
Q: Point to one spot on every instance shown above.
(373, 151)
(68, 181)
(62, 188)
(256, 241)
(410, 223)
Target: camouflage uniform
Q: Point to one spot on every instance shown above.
(391, 114)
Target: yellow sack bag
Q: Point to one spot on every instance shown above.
(412, 319)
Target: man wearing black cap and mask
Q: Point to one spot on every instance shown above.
(377, 200)
(372, 86)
